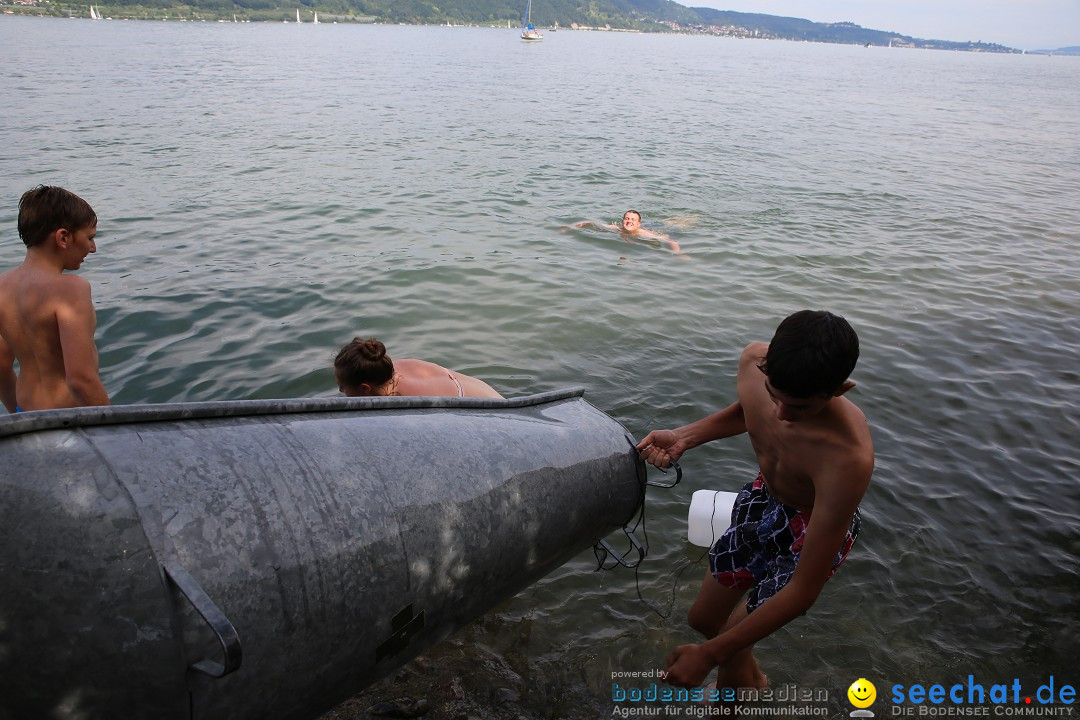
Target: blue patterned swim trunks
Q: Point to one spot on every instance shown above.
(760, 550)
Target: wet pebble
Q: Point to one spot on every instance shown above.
(452, 690)
(507, 695)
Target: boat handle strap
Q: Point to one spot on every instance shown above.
(621, 558)
(653, 483)
(678, 477)
(214, 617)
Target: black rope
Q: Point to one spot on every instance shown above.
(601, 553)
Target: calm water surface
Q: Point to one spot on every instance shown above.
(265, 192)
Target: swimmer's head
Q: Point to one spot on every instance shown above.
(811, 355)
(631, 221)
(362, 367)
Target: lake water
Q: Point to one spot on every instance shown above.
(265, 192)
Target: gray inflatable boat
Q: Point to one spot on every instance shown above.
(267, 559)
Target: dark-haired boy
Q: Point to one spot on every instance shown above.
(794, 525)
(47, 318)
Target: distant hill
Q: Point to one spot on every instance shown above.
(789, 28)
(639, 15)
(1071, 50)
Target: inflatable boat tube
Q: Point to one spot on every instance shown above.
(268, 559)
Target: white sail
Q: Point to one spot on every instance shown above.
(297, 14)
(93, 14)
(316, 20)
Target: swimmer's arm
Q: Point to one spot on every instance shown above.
(7, 376)
(75, 321)
(652, 235)
(593, 223)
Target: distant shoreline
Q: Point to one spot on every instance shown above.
(186, 13)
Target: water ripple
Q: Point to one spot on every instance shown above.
(261, 202)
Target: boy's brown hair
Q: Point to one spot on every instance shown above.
(47, 208)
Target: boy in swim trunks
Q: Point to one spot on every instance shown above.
(794, 525)
(47, 318)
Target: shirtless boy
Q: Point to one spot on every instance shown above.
(794, 525)
(47, 318)
(631, 225)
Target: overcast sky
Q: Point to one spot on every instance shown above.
(1024, 24)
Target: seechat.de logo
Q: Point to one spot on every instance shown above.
(862, 695)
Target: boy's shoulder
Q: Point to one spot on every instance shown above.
(754, 353)
(46, 286)
(846, 439)
(64, 282)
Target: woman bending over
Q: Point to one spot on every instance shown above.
(363, 368)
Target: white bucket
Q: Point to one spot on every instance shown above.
(710, 516)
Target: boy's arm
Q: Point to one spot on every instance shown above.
(663, 447)
(836, 501)
(7, 376)
(75, 321)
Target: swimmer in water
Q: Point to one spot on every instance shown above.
(363, 368)
(631, 226)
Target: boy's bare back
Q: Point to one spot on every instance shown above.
(48, 322)
(47, 318)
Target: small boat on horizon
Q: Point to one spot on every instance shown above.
(529, 33)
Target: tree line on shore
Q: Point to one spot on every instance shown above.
(641, 15)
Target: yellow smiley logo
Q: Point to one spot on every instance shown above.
(862, 693)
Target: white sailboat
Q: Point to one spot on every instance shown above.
(94, 14)
(528, 32)
(316, 20)
(297, 14)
